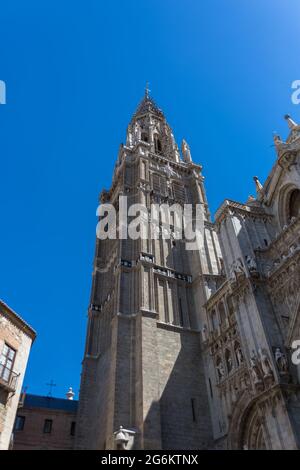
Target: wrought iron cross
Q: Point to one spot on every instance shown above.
(51, 385)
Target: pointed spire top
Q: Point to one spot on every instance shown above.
(148, 105)
(258, 185)
(147, 91)
(292, 125)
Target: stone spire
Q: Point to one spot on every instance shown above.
(147, 91)
(292, 124)
(294, 131)
(258, 185)
(186, 152)
(149, 129)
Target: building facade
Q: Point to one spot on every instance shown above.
(252, 320)
(191, 348)
(16, 338)
(45, 423)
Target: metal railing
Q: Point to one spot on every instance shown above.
(8, 379)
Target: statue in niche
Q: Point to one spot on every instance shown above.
(255, 371)
(281, 361)
(220, 369)
(228, 360)
(265, 363)
(239, 355)
(204, 333)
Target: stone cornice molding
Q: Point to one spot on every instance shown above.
(223, 291)
(16, 320)
(232, 207)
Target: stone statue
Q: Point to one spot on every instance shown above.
(265, 363)
(237, 268)
(204, 333)
(186, 152)
(169, 171)
(229, 363)
(221, 370)
(239, 355)
(281, 361)
(251, 263)
(255, 372)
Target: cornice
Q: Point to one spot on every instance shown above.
(17, 320)
(230, 206)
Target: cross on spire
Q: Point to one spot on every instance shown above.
(50, 385)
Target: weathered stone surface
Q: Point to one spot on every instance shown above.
(16, 334)
(181, 344)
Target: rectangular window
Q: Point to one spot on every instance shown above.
(47, 426)
(6, 362)
(20, 423)
(73, 428)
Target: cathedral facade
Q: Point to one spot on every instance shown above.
(191, 348)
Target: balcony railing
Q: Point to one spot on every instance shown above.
(8, 379)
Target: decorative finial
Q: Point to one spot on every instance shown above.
(290, 121)
(186, 152)
(259, 186)
(147, 91)
(70, 394)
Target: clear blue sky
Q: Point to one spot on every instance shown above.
(75, 71)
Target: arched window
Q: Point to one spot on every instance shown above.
(294, 204)
(144, 137)
(157, 144)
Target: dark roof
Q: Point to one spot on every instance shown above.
(37, 401)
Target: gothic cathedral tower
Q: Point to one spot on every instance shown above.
(142, 366)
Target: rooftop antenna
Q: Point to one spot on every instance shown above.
(50, 385)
